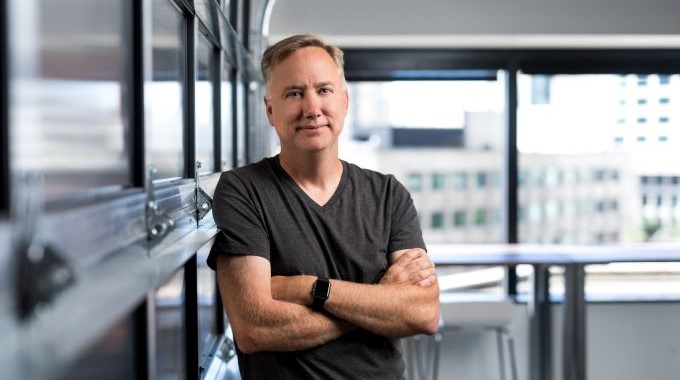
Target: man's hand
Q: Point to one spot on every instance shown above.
(411, 267)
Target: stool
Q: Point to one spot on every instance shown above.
(464, 312)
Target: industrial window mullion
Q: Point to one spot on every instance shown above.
(235, 116)
(144, 339)
(245, 33)
(4, 111)
(216, 68)
(136, 100)
(511, 170)
(189, 103)
(191, 318)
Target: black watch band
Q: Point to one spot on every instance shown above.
(320, 292)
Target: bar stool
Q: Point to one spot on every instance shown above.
(464, 312)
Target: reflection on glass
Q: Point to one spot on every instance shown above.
(163, 92)
(207, 293)
(227, 117)
(600, 154)
(445, 145)
(170, 326)
(205, 126)
(68, 93)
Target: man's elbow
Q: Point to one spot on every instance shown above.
(432, 326)
(249, 341)
(430, 322)
(429, 316)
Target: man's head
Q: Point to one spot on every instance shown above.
(306, 99)
(284, 48)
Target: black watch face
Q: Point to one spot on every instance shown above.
(322, 289)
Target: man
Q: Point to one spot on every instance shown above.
(321, 264)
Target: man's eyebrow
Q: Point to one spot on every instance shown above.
(302, 87)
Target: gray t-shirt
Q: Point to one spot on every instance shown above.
(261, 211)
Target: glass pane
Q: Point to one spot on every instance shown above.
(444, 141)
(205, 121)
(598, 162)
(207, 295)
(163, 92)
(227, 117)
(240, 121)
(68, 92)
(170, 326)
(112, 357)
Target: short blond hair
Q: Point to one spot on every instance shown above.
(284, 48)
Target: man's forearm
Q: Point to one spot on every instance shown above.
(388, 310)
(288, 327)
(261, 323)
(393, 310)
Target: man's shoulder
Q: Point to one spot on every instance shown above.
(253, 171)
(357, 171)
(370, 176)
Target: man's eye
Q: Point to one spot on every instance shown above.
(294, 94)
(325, 90)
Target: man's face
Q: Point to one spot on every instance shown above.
(307, 101)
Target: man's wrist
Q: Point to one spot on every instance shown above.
(321, 290)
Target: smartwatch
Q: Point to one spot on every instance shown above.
(320, 292)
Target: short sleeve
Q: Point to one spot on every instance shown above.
(405, 229)
(239, 219)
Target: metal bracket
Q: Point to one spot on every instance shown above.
(158, 223)
(42, 272)
(203, 200)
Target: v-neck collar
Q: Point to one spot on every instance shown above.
(296, 188)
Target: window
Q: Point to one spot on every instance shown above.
(68, 97)
(437, 220)
(414, 182)
(227, 116)
(164, 92)
(460, 180)
(436, 156)
(207, 302)
(204, 91)
(480, 217)
(170, 324)
(619, 196)
(438, 181)
(481, 179)
(459, 218)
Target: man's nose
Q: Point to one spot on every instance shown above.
(312, 106)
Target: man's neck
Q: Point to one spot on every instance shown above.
(317, 174)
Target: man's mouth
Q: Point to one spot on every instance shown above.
(310, 127)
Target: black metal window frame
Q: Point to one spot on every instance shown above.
(74, 213)
(463, 64)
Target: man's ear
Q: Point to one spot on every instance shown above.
(346, 100)
(268, 107)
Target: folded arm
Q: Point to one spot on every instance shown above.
(261, 323)
(405, 301)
